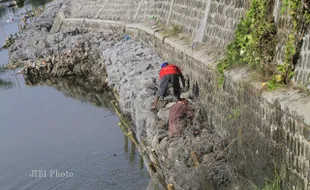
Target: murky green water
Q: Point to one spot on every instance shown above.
(61, 136)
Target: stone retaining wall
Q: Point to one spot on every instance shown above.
(209, 21)
(266, 130)
(273, 129)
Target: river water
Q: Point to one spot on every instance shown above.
(51, 139)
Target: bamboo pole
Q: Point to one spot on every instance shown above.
(152, 167)
(116, 94)
(155, 158)
(124, 123)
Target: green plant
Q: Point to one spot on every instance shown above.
(274, 184)
(254, 43)
(274, 83)
(172, 30)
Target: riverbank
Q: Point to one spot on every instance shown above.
(261, 127)
(130, 68)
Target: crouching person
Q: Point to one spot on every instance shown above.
(178, 116)
(169, 74)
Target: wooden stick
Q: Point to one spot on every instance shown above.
(124, 123)
(195, 159)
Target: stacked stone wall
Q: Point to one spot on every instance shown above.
(213, 20)
(75, 10)
(223, 18)
(87, 9)
(188, 14)
(119, 10)
(302, 70)
(161, 10)
(268, 135)
(146, 9)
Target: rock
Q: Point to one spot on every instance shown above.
(169, 105)
(163, 114)
(186, 95)
(61, 36)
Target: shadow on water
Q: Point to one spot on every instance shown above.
(126, 143)
(133, 152)
(3, 12)
(37, 3)
(78, 88)
(20, 3)
(4, 84)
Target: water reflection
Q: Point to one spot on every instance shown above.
(4, 84)
(126, 143)
(11, 11)
(95, 94)
(3, 12)
(20, 3)
(141, 162)
(132, 152)
(55, 132)
(77, 88)
(37, 3)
